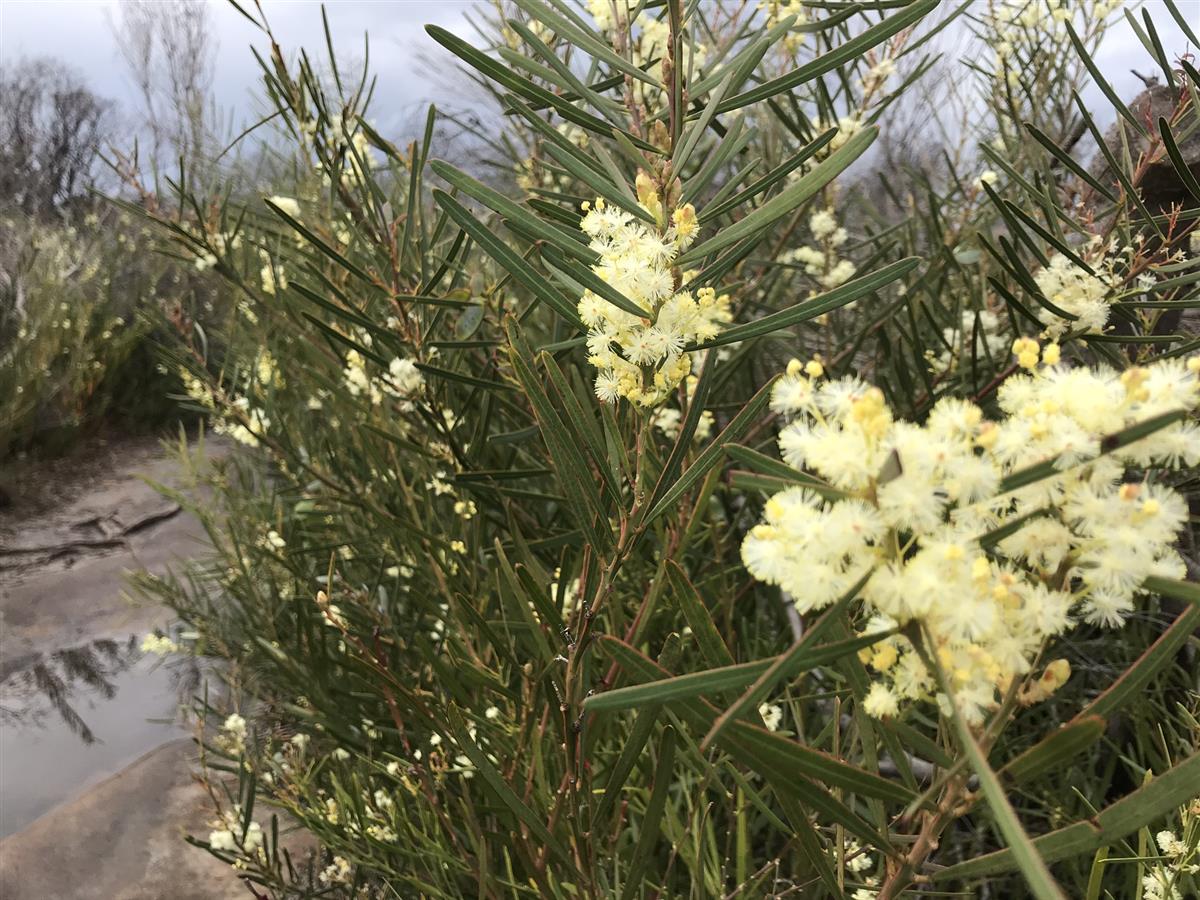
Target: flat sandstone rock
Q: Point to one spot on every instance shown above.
(122, 840)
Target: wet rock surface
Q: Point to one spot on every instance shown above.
(96, 786)
(122, 840)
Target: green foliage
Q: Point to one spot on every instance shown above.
(496, 635)
(83, 309)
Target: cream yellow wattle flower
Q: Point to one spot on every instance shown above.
(1082, 294)
(642, 357)
(906, 505)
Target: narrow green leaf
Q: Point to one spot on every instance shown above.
(788, 199)
(814, 307)
(651, 825)
(996, 535)
(1133, 680)
(1159, 54)
(835, 58)
(786, 758)
(488, 384)
(683, 441)
(1065, 159)
(781, 668)
(1187, 591)
(1136, 810)
(599, 184)
(710, 456)
(606, 106)
(1182, 22)
(582, 420)
(636, 739)
(1108, 444)
(769, 180)
(1182, 169)
(1023, 851)
(565, 241)
(760, 462)
(596, 48)
(507, 796)
(573, 475)
(1054, 749)
(695, 131)
(713, 681)
(512, 262)
(501, 74)
(736, 139)
(1102, 82)
(712, 646)
(329, 251)
(777, 764)
(585, 277)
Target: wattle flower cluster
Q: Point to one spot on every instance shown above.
(402, 381)
(778, 10)
(649, 42)
(1075, 291)
(968, 341)
(642, 357)
(909, 507)
(822, 261)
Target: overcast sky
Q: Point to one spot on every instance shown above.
(80, 32)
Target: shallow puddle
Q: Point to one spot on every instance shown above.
(72, 718)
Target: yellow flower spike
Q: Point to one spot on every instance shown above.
(884, 658)
(1132, 380)
(686, 226)
(1051, 355)
(1026, 350)
(980, 569)
(1193, 365)
(795, 367)
(813, 368)
(871, 412)
(647, 195)
(988, 433)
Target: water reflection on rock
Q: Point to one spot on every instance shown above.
(54, 683)
(70, 716)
